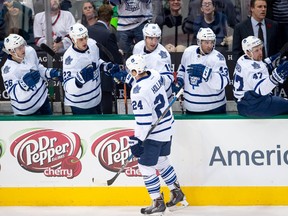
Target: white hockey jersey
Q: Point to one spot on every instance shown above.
(74, 61)
(160, 61)
(199, 95)
(149, 100)
(25, 102)
(250, 75)
(131, 13)
(61, 24)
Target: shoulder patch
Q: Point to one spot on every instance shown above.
(163, 54)
(255, 65)
(6, 69)
(136, 89)
(220, 57)
(68, 60)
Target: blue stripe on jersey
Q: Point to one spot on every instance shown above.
(82, 101)
(159, 131)
(143, 123)
(162, 122)
(36, 102)
(143, 115)
(134, 16)
(200, 95)
(86, 93)
(32, 96)
(258, 84)
(210, 102)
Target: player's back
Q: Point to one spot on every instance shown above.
(149, 100)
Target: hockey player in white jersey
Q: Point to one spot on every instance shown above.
(25, 78)
(204, 74)
(253, 85)
(81, 73)
(149, 100)
(156, 55)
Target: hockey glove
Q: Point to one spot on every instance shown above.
(110, 69)
(136, 146)
(29, 80)
(56, 73)
(85, 75)
(272, 62)
(199, 70)
(120, 77)
(280, 74)
(178, 85)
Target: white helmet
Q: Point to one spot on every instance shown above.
(205, 34)
(78, 31)
(13, 41)
(249, 43)
(136, 62)
(151, 30)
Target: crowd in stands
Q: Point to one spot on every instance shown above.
(117, 26)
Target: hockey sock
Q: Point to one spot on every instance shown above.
(169, 176)
(152, 184)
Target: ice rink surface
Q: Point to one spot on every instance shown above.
(135, 210)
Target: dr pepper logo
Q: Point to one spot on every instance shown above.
(111, 147)
(53, 153)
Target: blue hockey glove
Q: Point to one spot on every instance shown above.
(120, 77)
(280, 74)
(85, 75)
(29, 80)
(272, 62)
(136, 146)
(110, 68)
(178, 85)
(199, 70)
(56, 73)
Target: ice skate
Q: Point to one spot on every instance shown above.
(177, 200)
(157, 208)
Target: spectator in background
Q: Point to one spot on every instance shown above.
(65, 5)
(89, 14)
(61, 22)
(172, 18)
(212, 19)
(25, 78)
(250, 27)
(102, 34)
(18, 20)
(204, 74)
(224, 6)
(132, 16)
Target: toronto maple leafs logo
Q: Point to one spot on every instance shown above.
(238, 67)
(136, 89)
(220, 56)
(132, 5)
(68, 60)
(6, 69)
(163, 54)
(195, 81)
(255, 65)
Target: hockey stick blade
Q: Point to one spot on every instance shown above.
(47, 49)
(112, 180)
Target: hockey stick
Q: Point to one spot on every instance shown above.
(112, 180)
(50, 52)
(284, 50)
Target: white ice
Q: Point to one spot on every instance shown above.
(135, 211)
